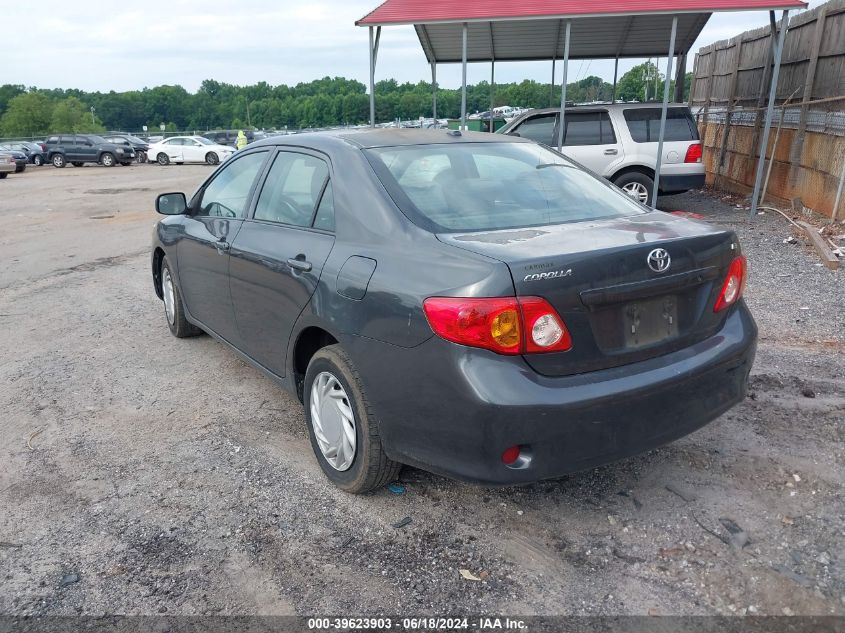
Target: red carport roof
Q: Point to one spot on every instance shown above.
(515, 30)
(433, 11)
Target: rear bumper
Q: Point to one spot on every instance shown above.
(453, 410)
(677, 183)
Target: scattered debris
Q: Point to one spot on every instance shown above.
(683, 494)
(790, 240)
(69, 579)
(796, 476)
(787, 611)
(32, 437)
(739, 538)
(520, 512)
(807, 393)
(396, 488)
(468, 575)
(786, 520)
(11, 545)
(347, 541)
(402, 522)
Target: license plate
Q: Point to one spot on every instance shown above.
(651, 321)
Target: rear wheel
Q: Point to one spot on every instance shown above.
(142, 157)
(107, 160)
(174, 310)
(3, 175)
(211, 158)
(343, 430)
(163, 159)
(58, 160)
(37, 160)
(637, 185)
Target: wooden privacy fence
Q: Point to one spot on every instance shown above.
(730, 86)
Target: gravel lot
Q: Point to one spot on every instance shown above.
(141, 474)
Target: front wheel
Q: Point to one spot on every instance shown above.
(637, 185)
(37, 160)
(211, 158)
(107, 160)
(343, 430)
(3, 175)
(174, 309)
(58, 161)
(163, 159)
(141, 157)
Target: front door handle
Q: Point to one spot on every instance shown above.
(611, 152)
(299, 263)
(222, 245)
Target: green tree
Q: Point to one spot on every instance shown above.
(638, 83)
(71, 115)
(28, 114)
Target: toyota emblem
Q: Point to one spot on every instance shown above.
(659, 260)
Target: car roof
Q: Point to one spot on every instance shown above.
(605, 106)
(367, 138)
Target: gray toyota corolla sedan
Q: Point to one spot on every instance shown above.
(471, 304)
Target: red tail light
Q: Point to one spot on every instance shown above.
(505, 325)
(733, 286)
(694, 153)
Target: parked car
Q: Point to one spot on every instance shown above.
(7, 164)
(471, 304)
(620, 141)
(139, 146)
(229, 137)
(78, 149)
(188, 149)
(19, 158)
(33, 151)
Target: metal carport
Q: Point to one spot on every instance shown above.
(503, 30)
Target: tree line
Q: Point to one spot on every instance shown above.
(321, 103)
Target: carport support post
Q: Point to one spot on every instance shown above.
(615, 78)
(434, 91)
(562, 122)
(374, 39)
(464, 77)
(664, 111)
(773, 90)
(492, 90)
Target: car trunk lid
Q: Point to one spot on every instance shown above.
(596, 274)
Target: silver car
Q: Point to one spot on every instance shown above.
(7, 164)
(619, 142)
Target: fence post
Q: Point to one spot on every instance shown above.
(732, 99)
(761, 97)
(798, 140)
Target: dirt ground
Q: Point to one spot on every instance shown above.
(141, 474)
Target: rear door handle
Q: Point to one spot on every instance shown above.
(611, 152)
(299, 264)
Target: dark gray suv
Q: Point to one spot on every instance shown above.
(78, 149)
(476, 305)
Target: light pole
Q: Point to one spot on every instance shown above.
(92, 115)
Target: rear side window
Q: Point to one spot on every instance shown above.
(53, 140)
(490, 186)
(293, 189)
(588, 128)
(644, 125)
(539, 128)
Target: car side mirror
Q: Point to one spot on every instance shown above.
(171, 204)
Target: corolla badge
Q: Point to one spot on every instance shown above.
(659, 260)
(555, 274)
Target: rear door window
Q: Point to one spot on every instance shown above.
(293, 189)
(644, 125)
(588, 128)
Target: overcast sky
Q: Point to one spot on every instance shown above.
(123, 46)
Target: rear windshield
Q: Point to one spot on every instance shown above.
(644, 124)
(489, 186)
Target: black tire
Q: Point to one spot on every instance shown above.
(108, 160)
(77, 164)
(637, 185)
(58, 160)
(212, 158)
(38, 160)
(163, 159)
(179, 326)
(3, 175)
(20, 169)
(371, 467)
(126, 164)
(141, 157)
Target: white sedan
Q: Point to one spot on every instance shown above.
(188, 149)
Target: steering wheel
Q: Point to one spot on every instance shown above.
(293, 210)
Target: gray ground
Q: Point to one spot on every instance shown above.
(143, 474)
